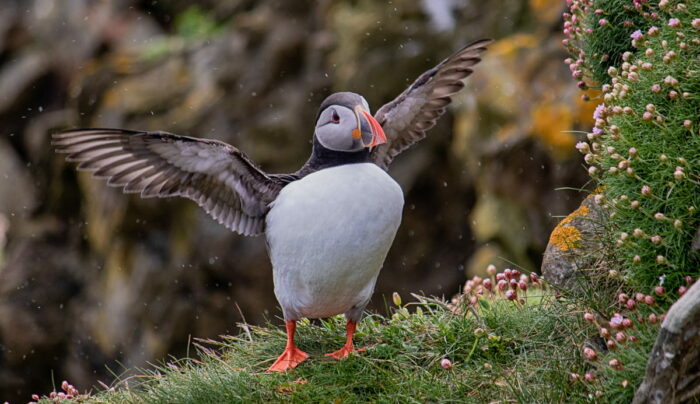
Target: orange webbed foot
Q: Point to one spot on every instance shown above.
(290, 358)
(344, 352)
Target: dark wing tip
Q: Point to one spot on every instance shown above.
(481, 43)
(61, 137)
(83, 131)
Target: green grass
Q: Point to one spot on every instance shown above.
(525, 353)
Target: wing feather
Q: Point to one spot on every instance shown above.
(217, 176)
(407, 118)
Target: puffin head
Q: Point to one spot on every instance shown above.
(344, 124)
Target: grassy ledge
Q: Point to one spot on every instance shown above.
(504, 350)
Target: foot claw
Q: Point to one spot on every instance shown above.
(290, 358)
(344, 352)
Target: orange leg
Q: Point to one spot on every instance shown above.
(292, 356)
(347, 348)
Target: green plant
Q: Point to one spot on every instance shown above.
(645, 149)
(598, 32)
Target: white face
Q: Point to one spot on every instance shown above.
(337, 129)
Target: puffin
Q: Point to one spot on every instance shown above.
(328, 226)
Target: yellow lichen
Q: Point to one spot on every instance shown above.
(582, 211)
(567, 236)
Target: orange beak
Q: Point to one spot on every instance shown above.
(378, 136)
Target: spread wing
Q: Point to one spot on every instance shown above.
(407, 118)
(219, 177)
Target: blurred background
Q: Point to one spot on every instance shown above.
(92, 280)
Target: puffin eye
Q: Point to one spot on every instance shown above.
(335, 118)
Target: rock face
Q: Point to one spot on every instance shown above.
(91, 278)
(573, 245)
(672, 374)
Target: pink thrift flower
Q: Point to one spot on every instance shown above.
(598, 113)
(616, 320)
(674, 22)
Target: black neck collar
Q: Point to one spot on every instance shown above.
(322, 157)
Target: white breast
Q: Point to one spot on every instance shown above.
(328, 235)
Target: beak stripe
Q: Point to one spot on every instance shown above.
(378, 136)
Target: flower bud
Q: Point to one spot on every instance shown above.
(615, 364)
(396, 298)
(522, 285)
(589, 354)
(513, 283)
(491, 270)
(620, 337)
(534, 278)
(583, 147)
(446, 364)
